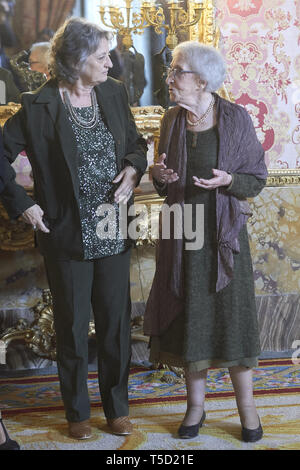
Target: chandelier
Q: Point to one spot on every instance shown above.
(127, 22)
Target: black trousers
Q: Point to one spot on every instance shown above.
(75, 286)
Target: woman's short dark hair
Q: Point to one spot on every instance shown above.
(71, 45)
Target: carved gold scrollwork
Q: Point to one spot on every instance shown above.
(148, 119)
(8, 111)
(40, 336)
(205, 30)
(15, 235)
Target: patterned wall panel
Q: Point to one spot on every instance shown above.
(261, 40)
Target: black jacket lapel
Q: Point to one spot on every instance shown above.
(111, 114)
(50, 96)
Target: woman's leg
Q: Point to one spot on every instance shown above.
(242, 381)
(71, 284)
(112, 313)
(196, 388)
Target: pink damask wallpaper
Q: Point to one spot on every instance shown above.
(261, 40)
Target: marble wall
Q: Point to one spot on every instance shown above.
(274, 235)
(274, 232)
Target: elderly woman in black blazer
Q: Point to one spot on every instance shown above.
(85, 151)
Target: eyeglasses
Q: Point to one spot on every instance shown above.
(170, 72)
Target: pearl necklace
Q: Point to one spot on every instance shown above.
(79, 121)
(204, 116)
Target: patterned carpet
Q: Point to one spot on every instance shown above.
(33, 412)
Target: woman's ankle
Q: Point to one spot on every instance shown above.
(193, 415)
(249, 417)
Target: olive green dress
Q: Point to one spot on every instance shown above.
(215, 329)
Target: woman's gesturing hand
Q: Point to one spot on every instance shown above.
(34, 216)
(220, 178)
(128, 178)
(161, 173)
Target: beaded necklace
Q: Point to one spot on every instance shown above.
(204, 116)
(79, 121)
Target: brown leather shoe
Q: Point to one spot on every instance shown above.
(120, 426)
(81, 430)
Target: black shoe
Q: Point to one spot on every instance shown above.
(8, 444)
(252, 435)
(188, 432)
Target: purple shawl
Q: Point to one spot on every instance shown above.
(239, 152)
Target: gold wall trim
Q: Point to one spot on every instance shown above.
(280, 178)
(148, 120)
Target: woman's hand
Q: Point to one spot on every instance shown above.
(34, 216)
(129, 177)
(221, 178)
(161, 173)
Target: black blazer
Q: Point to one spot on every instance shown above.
(42, 128)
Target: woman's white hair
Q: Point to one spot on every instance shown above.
(205, 60)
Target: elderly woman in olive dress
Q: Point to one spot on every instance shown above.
(201, 310)
(85, 152)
